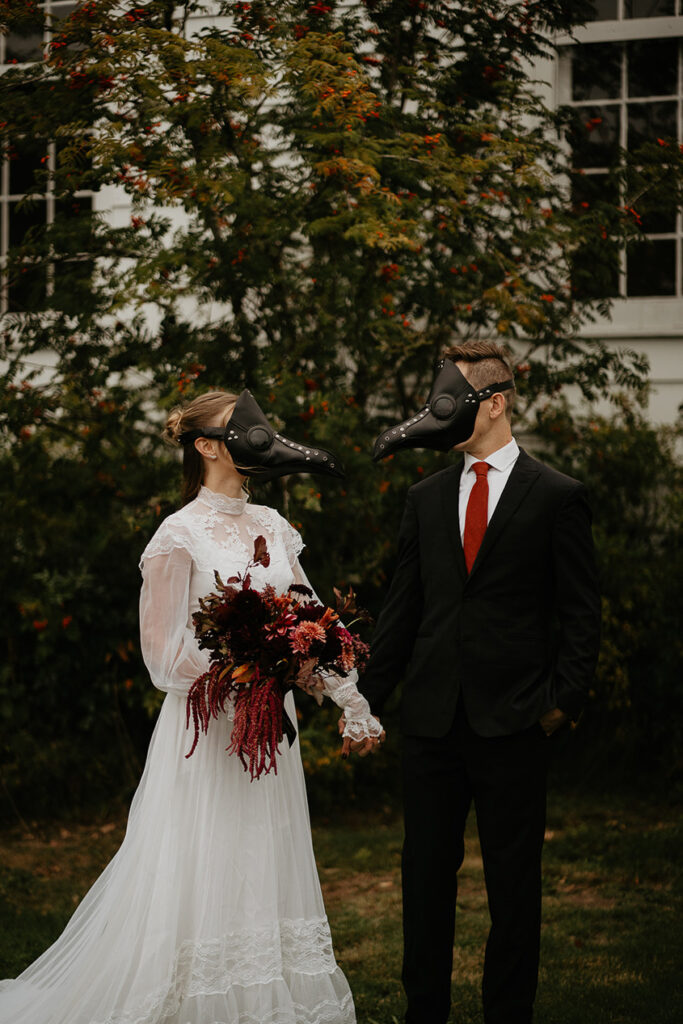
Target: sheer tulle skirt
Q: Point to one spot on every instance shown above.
(210, 912)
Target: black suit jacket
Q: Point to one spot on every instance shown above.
(517, 636)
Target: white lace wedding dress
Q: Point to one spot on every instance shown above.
(211, 911)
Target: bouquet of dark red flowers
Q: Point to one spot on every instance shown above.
(262, 644)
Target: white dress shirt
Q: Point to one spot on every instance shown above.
(500, 467)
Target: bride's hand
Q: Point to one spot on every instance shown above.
(308, 681)
(368, 745)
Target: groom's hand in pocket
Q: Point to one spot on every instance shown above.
(368, 745)
(551, 721)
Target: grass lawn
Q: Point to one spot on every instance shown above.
(613, 913)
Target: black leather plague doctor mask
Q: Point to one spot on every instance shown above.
(258, 451)
(445, 420)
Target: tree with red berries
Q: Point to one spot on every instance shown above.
(307, 199)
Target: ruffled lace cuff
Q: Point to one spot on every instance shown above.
(360, 723)
(362, 728)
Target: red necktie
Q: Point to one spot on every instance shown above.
(476, 517)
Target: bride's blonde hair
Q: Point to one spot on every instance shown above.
(198, 413)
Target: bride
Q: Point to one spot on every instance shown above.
(211, 911)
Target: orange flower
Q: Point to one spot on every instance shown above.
(242, 674)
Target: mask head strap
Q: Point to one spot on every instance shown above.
(491, 389)
(189, 436)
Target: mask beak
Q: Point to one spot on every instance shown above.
(445, 420)
(261, 453)
(265, 454)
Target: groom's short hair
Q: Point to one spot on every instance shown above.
(488, 363)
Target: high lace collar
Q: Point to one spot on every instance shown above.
(222, 503)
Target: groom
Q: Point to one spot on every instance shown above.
(492, 622)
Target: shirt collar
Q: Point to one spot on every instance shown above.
(500, 460)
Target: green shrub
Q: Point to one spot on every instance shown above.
(634, 723)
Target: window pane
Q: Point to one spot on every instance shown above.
(26, 157)
(652, 67)
(651, 268)
(59, 11)
(603, 10)
(596, 72)
(590, 189)
(59, 14)
(74, 161)
(595, 267)
(31, 214)
(595, 273)
(26, 284)
(648, 122)
(72, 209)
(73, 233)
(26, 288)
(595, 137)
(73, 270)
(649, 8)
(24, 43)
(654, 204)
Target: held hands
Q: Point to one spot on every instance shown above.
(309, 682)
(369, 745)
(552, 720)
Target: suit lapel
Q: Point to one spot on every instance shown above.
(524, 474)
(450, 498)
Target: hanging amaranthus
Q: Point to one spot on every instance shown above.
(262, 644)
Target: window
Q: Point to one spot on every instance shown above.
(628, 93)
(27, 43)
(27, 204)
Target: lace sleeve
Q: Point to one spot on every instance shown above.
(360, 723)
(170, 536)
(169, 647)
(293, 542)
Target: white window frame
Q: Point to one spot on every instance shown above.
(7, 197)
(635, 316)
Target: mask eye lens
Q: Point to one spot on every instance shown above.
(259, 438)
(443, 407)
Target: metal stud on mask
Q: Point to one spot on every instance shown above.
(445, 420)
(261, 453)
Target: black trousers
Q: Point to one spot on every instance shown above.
(505, 777)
